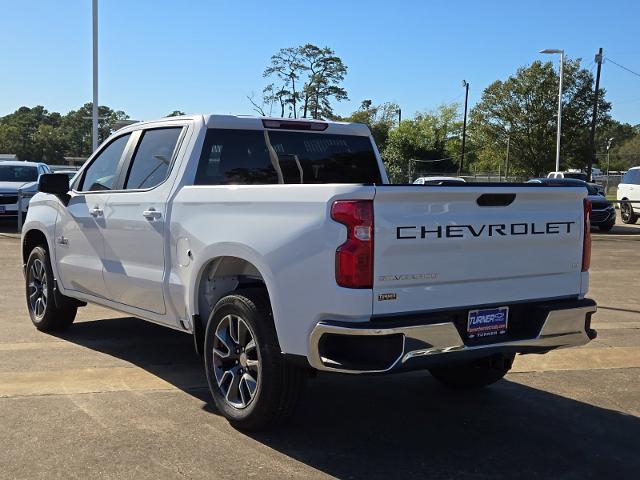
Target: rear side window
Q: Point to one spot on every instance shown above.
(151, 162)
(245, 157)
(235, 157)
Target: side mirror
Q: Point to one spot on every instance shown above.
(54, 183)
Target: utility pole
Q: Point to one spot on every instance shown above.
(592, 135)
(94, 112)
(465, 84)
(506, 166)
(399, 116)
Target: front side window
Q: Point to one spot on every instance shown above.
(101, 174)
(150, 164)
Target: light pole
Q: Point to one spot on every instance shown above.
(561, 52)
(606, 188)
(465, 84)
(94, 112)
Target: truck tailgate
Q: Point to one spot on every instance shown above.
(440, 247)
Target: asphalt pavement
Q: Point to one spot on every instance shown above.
(116, 397)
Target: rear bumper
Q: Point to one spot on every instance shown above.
(423, 341)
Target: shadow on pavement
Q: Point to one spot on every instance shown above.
(8, 225)
(406, 425)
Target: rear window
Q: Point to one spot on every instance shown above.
(248, 157)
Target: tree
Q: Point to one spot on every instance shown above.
(325, 73)
(379, 118)
(523, 108)
(430, 142)
(76, 128)
(286, 66)
(626, 155)
(305, 80)
(19, 131)
(176, 113)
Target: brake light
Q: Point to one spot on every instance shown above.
(586, 247)
(294, 125)
(354, 258)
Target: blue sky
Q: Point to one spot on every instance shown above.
(206, 56)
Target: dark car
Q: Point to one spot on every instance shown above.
(603, 213)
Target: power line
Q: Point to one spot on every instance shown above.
(623, 67)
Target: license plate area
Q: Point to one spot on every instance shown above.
(487, 322)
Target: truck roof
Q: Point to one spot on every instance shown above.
(252, 122)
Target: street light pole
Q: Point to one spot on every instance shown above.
(94, 110)
(561, 52)
(465, 84)
(606, 188)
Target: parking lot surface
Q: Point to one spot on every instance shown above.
(116, 397)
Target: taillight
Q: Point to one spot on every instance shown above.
(586, 247)
(354, 258)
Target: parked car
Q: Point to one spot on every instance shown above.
(603, 212)
(437, 180)
(256, 236)
(576, 175)
(628, 192)
(15, 177)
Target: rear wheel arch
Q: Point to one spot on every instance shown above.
(221, 276)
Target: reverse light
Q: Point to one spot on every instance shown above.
(586, 246)
(354, 258)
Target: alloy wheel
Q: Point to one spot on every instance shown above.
(625, 212)
(37, 284)
(236, 361)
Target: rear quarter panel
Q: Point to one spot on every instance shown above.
(286, 232)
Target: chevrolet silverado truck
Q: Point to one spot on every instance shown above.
(281, 247)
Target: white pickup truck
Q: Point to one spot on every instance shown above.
(279, 245)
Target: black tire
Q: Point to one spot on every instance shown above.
(605, 228)
(626, 213)
(475, 374)
(278, 383)
(45, 313)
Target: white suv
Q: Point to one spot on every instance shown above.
(629, 189)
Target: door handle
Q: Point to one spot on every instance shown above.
(96, 211)
(151, 214)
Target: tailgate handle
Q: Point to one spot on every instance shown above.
(496, 199)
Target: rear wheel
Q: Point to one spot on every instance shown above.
(626, 213)
(475, 374)
(45, 314)
(252, 385)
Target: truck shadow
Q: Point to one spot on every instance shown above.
(405, 426)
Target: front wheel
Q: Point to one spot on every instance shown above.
(626, 213)
(44, 313)
(251, 383)
(475, 374)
